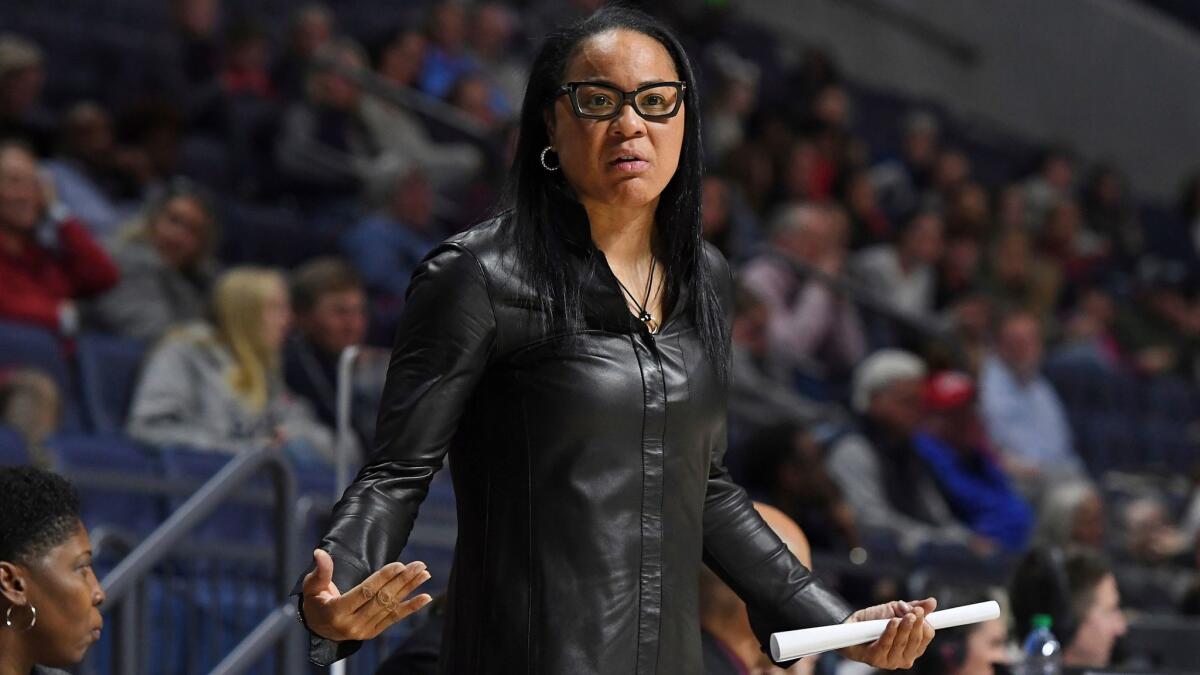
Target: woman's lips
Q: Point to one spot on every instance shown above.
(631, 165)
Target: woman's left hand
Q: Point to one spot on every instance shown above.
(905, 639)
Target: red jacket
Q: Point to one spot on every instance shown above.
(36, 281)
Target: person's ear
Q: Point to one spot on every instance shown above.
(13, 583)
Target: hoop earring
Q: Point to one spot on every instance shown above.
(32, 619)
(546, 166)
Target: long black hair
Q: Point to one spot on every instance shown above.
(539, 205)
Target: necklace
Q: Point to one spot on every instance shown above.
(643, 313)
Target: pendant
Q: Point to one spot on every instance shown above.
(651, 324)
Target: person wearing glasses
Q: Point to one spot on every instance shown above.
(570, 355)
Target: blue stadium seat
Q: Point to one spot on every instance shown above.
(12, 448)
(34, 347)
(108, 371)
(97, 464)
(243, 523)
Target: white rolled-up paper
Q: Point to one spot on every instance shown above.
(795, 644)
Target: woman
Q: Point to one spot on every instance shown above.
(49, 596)
(975, 649)
(48, 261)
(219, 387)
(571, 355)
(165, 260)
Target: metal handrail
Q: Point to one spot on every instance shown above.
(163, 543)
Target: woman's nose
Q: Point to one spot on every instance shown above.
(629, 123)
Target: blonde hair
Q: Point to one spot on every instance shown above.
(238, 303)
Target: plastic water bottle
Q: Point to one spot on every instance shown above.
(1042, 652)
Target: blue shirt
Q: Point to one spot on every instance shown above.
(385, 252)
(1025, 419)
(978, 492)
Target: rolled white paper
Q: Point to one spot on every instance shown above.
(795, 644)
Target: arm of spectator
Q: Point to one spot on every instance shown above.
(89, 267)
(133, 307)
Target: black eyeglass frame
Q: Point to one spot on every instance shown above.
(626, 96)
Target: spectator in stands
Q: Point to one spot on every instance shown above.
(807, 317)
(725, 220)
(325, 151)
(30, 404)
(734, 96)
(975, 649)
(968, 211)
(22, 78)
(187, 71)
(958, 273)
(1087, 612)
(151, 130)
(471, 94)
(1161, 327)
(48, 261)
(447, 59)
(904, 275)
(400, 133)
(1109, 212)
(1018, 277)
(951, 171)
(884, 478)
(220, 388)
(969, 323)
(868, 223)
(493, 29)
(1077, 253)
(727, 642)
(387, 246)
(331, 315)
(783, 465)
(246, 71)
(165, 258)
(312, 27)
(807, 175)
(954, 447)
(1010, 208)
(90, 171)
(1071, 514)
(1053, 182)
(1022, 412)
(1089, 336)
(901, 181)
(49, 593)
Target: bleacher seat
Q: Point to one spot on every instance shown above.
(34, 347)
(127, 509)
(108, 371)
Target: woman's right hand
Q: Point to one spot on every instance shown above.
(366, 610)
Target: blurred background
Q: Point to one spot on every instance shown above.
(966, 238)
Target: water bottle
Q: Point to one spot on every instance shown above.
(1042, 652)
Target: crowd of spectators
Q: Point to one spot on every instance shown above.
(896, 308)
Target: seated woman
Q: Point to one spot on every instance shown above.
(219, 387)
(975, 649)
(165, 258)
(48, 260)
(49, 594)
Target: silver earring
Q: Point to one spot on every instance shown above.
(546, 166)
(32, 618)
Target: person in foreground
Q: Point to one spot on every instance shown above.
(49, 596)
(571, 357)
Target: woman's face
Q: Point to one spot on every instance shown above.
(277, 316)
(63, 588)
(985, 648)
(1102, 624)
(178, 231)
(588, 149)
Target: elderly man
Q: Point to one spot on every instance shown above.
(887, 483)
(807, 319)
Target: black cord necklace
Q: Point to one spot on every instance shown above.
(643, 313)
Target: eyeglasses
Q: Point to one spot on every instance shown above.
(655, 101)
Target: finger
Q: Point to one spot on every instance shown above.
(916, 639)
(884, 644)
(929, 604)
(395, 593)
(321, 575)
(365, 592)
(401, 611)
(900, 644)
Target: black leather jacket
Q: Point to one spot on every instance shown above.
(588, 471)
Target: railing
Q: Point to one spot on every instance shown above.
(121, 584)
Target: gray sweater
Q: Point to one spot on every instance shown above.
(185, 399)
(150, 298)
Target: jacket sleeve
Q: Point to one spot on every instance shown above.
(443, 344)
(89, 267)
(780, 593)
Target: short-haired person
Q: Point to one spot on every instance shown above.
(974, 649)
(1077, 588)
(49, 596)
(570, 357)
